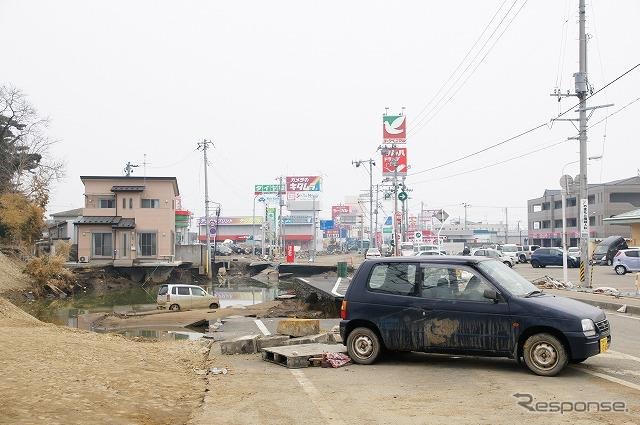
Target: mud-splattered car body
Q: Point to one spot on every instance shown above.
(466, 305)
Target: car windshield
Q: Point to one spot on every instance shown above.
(509, 249)
(507, 278)
(601, 249)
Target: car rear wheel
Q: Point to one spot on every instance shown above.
(523, 258)
(363, 346)
(620, 270)
(535, 264)
(508, 263)
(174, 307)
(609, 262)
(213, 306)
(544, 354)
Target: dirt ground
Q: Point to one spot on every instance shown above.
(11, 276)
(59, 375)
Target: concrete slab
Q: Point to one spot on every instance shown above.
(242, 345)
(299, 356)
(299, 327)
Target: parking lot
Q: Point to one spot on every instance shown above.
(418, 388)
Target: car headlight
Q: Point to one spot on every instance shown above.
(588, 327)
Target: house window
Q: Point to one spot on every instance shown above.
(150, 203)
(546, 224)
(592, 221)
(107, 202)
(571, 202)
(130, 203)
(124, 203)
(102, 244)
(147, 244)
(591, 199)
(546, 206)
(536, 225)
(537, 208)
(572, 222)
(557, 223)
(557, 204)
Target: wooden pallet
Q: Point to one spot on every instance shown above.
(302, 355)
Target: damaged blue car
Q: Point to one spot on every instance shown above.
(465, 306)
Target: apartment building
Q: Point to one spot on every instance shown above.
(605, 200)
(127, 220)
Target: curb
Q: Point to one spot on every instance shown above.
(606, 305)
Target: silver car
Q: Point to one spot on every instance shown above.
(184, 297)
(627, 260)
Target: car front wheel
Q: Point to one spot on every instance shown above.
(544, 354)
(620, 270)
(174, 307)
(363, 346)
(508, 263)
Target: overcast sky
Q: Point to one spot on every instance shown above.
(299, 88)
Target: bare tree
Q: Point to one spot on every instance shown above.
(26, 164)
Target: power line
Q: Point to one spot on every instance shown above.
(475, 68)
(493, 164)
(530, 130)
(460, 63)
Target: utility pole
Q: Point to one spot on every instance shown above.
(465, 205)
(281, 241)
(396, 240)
(204, 145)
(376, 211)
(371, 162)
(582, 92)
(506, 225)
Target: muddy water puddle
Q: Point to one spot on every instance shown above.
(81, 310)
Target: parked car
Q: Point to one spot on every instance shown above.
(185, 297)
(494, 253)
(406, 249)
(386, 250)
(627, 260)
(607, 249)
(447, 305)
(574, 251)
(525, 254)
(543, 257)
(372, 253)
(510, 250)
(430, 252)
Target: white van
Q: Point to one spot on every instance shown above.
(185, 297)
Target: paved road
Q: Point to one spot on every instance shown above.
(421, 388)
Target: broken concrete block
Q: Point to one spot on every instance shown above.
(241, 345)
(299, 327)
(271, 341)
(622, 309)
(323, 338)
(299, 340)
(335, 338)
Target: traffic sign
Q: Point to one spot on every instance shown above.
(402, 196)
(441, 215)
(418, 235)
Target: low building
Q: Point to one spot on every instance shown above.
(61, 226)
(237, 229)
(127, 220)
(631, 219)
(605, 200)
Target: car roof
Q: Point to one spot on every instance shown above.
(446, 259)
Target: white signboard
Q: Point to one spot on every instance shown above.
(584, 218)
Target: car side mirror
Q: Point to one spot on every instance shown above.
(491, 294)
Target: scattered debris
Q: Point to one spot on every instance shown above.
(200, 371)
(607, 290)
(334, 360)
(622, 309)
(218, 371)
(548, 282)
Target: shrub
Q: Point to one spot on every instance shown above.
(49, 270)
